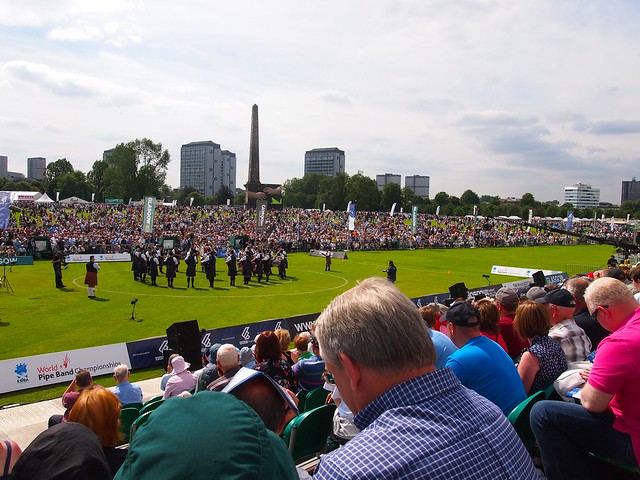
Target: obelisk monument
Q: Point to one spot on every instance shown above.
(253, 182)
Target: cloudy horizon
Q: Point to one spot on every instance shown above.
(495, 96)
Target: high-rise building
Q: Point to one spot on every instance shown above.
(36, 167)
(325, 161)
(630, 190)
(4, 165)
(227, 171)
(205, 167)
(582, 195)
(382, 180)
(418, 184)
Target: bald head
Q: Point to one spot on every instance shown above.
(610, 301)
(227, 357)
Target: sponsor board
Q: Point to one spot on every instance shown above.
(99, 257)
(519, 272)
(17, 260)
(59, 367)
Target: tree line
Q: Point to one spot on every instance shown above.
(139, 168)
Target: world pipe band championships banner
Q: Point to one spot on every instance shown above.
(60, 367)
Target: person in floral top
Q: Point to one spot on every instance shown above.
(270, 362)
(544, 360)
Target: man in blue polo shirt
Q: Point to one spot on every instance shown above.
(480, 363)
(308, 371)
(125, 391)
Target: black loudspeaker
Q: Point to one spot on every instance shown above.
(184, 338)
(538, 279)
(459, 290)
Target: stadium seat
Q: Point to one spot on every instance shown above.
(150, 406)
(138, 422)
(137, 406)
(152, 399)
(302, 399)
(519, 418)
(315, 398)
(306, 435)
(128, 415)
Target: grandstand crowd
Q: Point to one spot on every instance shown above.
(529, 384)
(107, 228)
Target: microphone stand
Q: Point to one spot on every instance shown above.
(488, 279)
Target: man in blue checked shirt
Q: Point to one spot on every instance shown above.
(415, 421)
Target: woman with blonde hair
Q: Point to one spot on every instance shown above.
(544, 360)
(284, 338)
(99, 410)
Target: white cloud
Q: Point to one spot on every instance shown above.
(498, 96)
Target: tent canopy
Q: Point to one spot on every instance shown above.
(74, 200)
(44, 199)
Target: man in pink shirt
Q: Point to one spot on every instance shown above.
(608, 421)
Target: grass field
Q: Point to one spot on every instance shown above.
(38, 318)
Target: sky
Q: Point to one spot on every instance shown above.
(496, 96)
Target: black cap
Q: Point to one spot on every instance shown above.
(560, 297)
(463, 314)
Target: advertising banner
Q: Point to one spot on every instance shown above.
(99, 257)
(519, 272)
(148, 214)
(352, 216)
(261, 214)
(21, 260)
(60, 367)
(5, 200)
(414, 219)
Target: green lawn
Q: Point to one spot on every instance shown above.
(38, 318)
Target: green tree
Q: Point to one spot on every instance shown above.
(136, 169)
(364, 191)
(74, 184)
(339, 192)
(221, 196)
(53, 173)
(391, 193)
(528, 200)
(469, 197)
(198, 199)
(441, 198)
(97, 178)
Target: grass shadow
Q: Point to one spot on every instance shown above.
(100, 299)
(4, 324)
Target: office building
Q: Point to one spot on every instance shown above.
(205, 167)
(36, 167)
(382, 180)
(418, 184)
(325, 161)
(582, 195)
(630, 191)
(5, 173)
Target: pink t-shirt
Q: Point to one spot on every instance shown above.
(615, 371)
